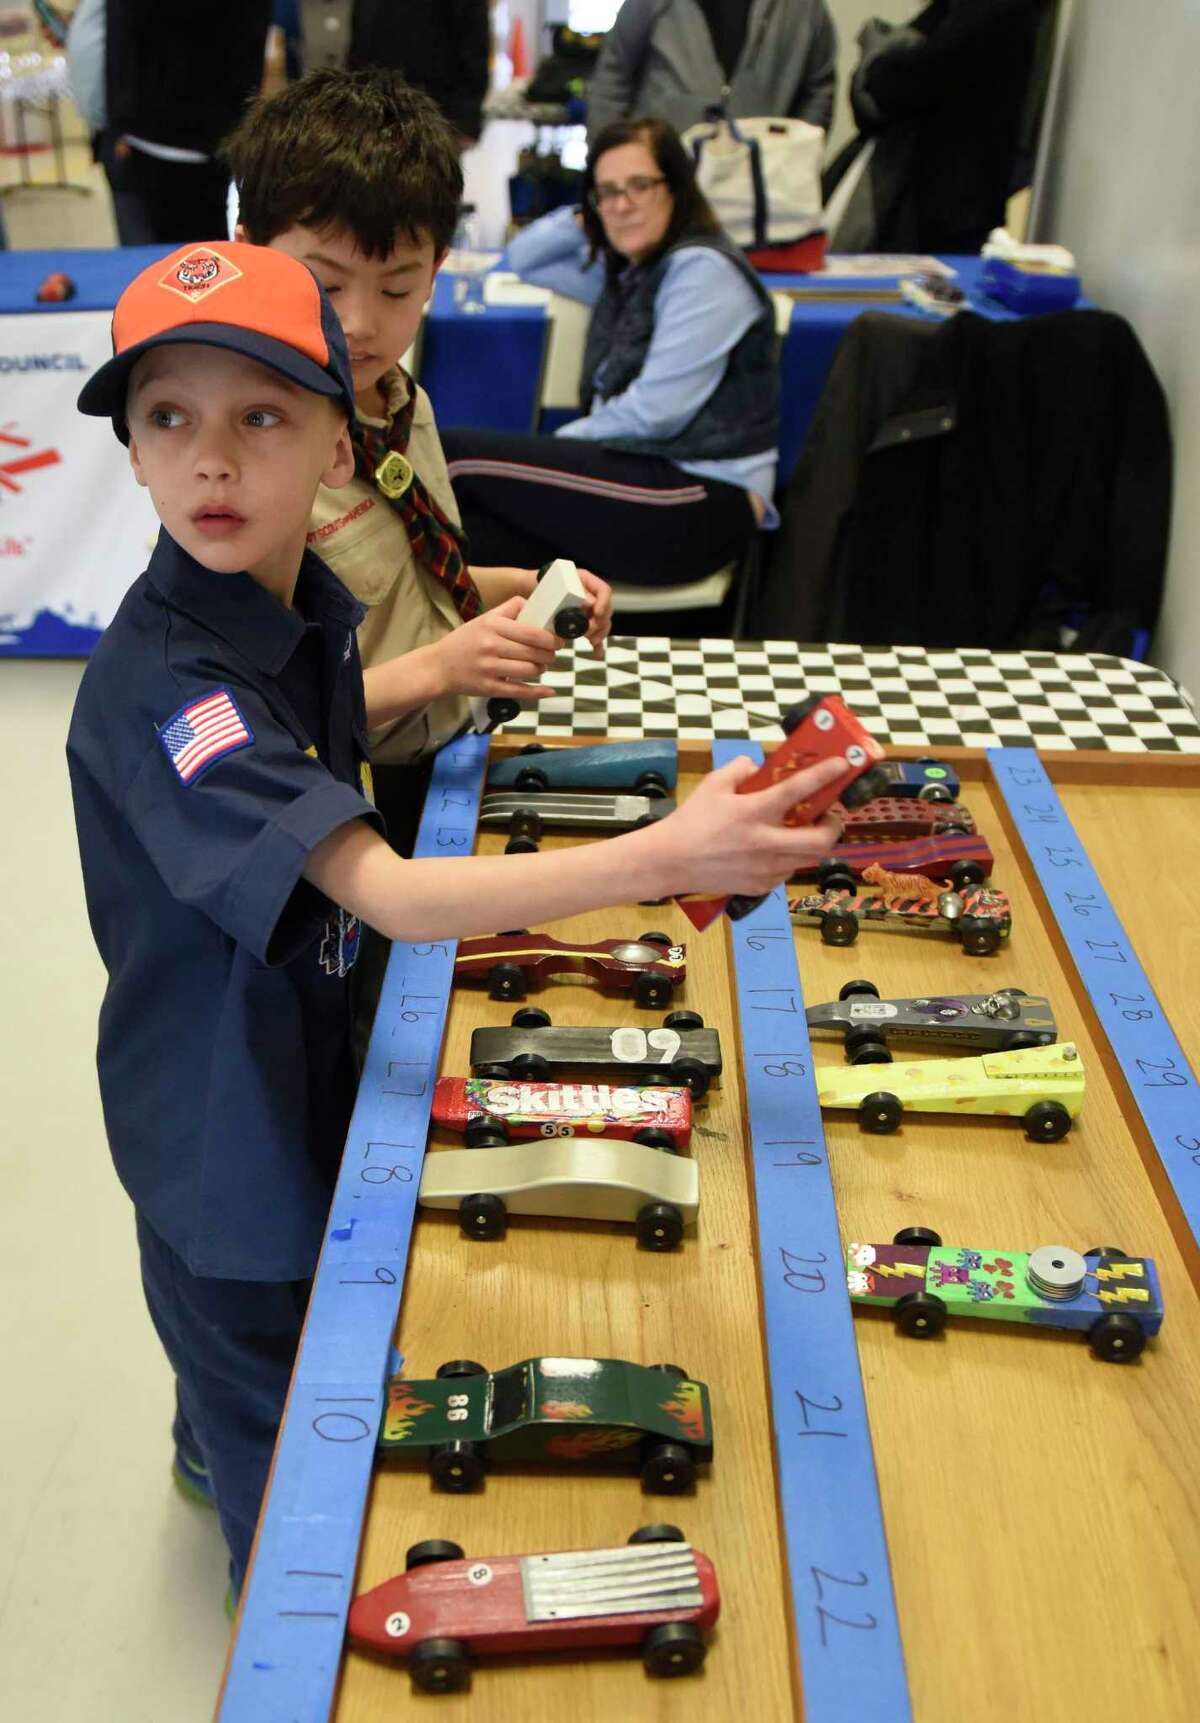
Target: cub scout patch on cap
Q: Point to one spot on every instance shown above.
(203, 732)
(198, 274)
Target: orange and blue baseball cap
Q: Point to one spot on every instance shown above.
(245, 298)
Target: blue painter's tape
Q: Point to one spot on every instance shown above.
(285, 1662)
(851, 1658)
(1162, 1082)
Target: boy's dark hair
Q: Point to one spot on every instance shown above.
(362, 151)
(691, 211)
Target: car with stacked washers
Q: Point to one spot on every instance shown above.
(1041, 1086)
(489, 1114)
(997, 1022)
(957, 859)
(551, 1411)
(1114, 1298)
(979, 917)
(527, 814)
(683, 1051)
(642, 1183)
(656, 1593)
(650, 967)
(649, 768)
(928, 779)
(895, 817)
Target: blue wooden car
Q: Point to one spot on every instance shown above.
(650, 768)
(927, 779)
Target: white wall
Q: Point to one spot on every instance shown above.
(1120, 184)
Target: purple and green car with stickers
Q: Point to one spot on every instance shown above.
(1114, 1298)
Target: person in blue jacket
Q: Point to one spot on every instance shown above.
(670, 467)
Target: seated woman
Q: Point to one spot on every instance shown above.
(671, 467)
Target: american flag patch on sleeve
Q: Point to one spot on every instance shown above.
(204, 731)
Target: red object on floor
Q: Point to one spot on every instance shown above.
(802, 257)
(56, 288)
(517, 51)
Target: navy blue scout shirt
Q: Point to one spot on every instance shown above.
(217, 737)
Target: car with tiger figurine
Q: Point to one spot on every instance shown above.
(650, 967)
(489, 1114)
(980, 917)
(1112, 1297)
(551, 1411)
(655, 1593)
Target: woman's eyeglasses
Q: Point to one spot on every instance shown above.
(636, 190)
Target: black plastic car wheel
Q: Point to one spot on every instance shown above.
(963, 873)
(483, 1216)
(506, 981)
(528, 1068)
(455, 1368)
(531, 778)
(979, 937)
(863, 1048)
(655, 1138)
(668, 1469)
(485, 1134)
(456, 1467)
(1104, 1251)
(495, 1073)
(1117, 1337)
(651, 992)
(918, 1235)
(570, 622)
(920, 1315)
(864, 789)
(521, 846)
(531, 1017)
(675, 1648)
(431, 1550)
(838, 927)
(836, 876)
(1023, 1038)
(440, 1666)
(663, 939)
(659, 1226)
(934, 793)
(676, 1370)
(658, 1534)
(880, 1113)
(858, 990)
(795, 715)
(691, 1073)
(1047, 1122)
(652, 785)
(533, 748)
(525, 823)
(683, 1020)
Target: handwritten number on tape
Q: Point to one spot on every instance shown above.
(799, 1278)
(806, 1155)
(827, 1618)
(807, 1406)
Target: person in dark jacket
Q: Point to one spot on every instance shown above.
(670, 466)
(176, 80)
(441, 46)
(941, 100)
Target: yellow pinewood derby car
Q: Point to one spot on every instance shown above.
(1041, 1086)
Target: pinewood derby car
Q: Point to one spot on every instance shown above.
(959, 859)
(682, 1051)
(979, 917)
(649, 768)
(526, 814)
(489, 1114)
(896, 817)
(650, 967)
(572, 1178)
(656, 1593)
(997, 1022)
(1041, 1086)
(552, 1411)
(925, 778)
(1113, 1297)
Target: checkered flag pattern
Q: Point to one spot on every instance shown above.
(908, 696)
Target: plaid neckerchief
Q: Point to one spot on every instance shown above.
(379, 457)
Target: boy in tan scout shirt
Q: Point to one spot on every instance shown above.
(356, 174)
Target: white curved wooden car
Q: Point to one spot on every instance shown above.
(575, 1178)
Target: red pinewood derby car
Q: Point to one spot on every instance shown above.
(904, 817)
(488, 1113)
(649, 967)
(655, 1592)
(959, 859)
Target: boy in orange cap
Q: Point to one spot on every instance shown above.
(217, 755)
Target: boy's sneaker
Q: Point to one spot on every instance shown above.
(191, 1480)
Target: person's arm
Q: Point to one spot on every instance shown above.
(717, 841)
(913, 73)
(613, 85)
(814, 98)
(703, 309)
(471, 30)
(491, 654)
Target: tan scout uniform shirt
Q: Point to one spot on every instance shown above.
(362, 538)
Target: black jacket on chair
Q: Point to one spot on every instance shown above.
(978, 484)
(441, 46)
(182, 75)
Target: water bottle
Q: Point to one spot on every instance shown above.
(468, 264)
